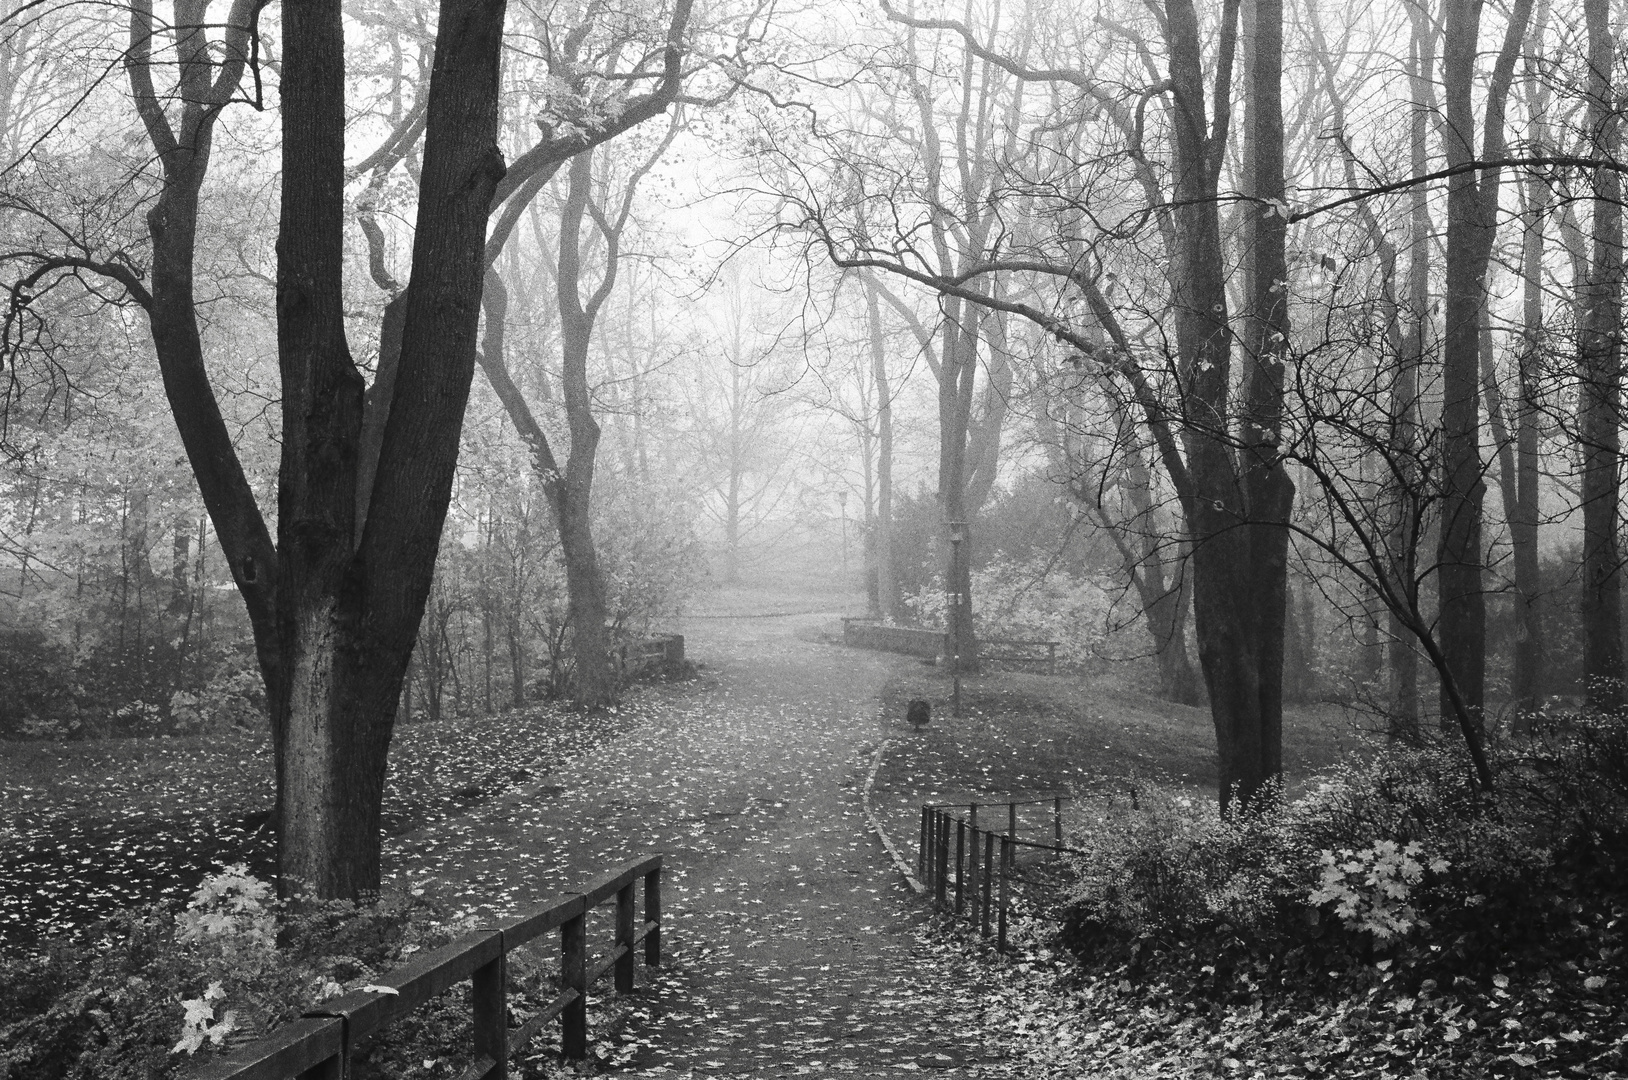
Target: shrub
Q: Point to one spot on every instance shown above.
(1396, 852)
(150, 989)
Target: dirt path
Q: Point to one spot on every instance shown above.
(794, 939)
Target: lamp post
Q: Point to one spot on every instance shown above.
(958, 533)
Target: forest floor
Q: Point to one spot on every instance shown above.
(792, 945)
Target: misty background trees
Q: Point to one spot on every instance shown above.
(1269, 351)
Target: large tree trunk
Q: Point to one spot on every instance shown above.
(1599, 356)
(348, 608)
(1472, 207)
(1234, 508)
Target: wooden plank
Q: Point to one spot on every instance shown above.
(415, 983)
(528, 1031)
(539, 920)
(287, 1051)
(608, 885)
(597, 972)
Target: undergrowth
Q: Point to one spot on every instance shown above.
(1392, 920)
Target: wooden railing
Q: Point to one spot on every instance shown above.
(318, 1046)
(987, 887)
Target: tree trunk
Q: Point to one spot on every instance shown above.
(889, 598)
(348, 610)
(1526, 682)
(1471, 223)
(1599, 355)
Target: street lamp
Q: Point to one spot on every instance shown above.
(958, 533)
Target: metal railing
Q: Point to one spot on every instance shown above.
(979, 873)
(318, 1045)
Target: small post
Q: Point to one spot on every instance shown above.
(1057, 820)
(574, 976)
(972, 868)
(652, 915)
(960, 872)
(1051, 658)
(1011, 820)
(624, 938)
(921, 848)
(491, 1021)
(1006, 889)
(989, 858)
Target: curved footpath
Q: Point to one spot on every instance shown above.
(795, 940)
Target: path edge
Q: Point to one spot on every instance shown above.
(876, 823)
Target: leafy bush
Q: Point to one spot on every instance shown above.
(1395, 853)
(156, 988)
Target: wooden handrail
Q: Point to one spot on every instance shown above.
(321, 1040)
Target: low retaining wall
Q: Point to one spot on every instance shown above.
(865, 634)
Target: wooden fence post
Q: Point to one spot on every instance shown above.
(1011, 820)
(960, 863)
(625, 934)
(1006, 886)
(488, 991)
(1057, 820)
(574, 976)
(652, 915)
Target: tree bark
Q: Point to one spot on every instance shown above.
(1599, 358)
(1472, 206)
(348, 607)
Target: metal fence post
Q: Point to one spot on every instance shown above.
(942, 886)
(988, 876)
(921, 847)
(960, 866)
(1006, 889)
